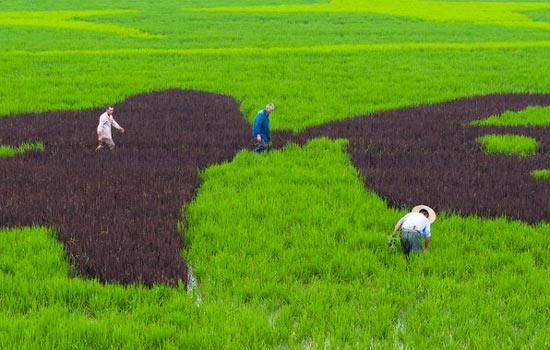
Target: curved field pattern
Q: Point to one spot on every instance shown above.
(71, 20)
(117, 213)
(429, 154)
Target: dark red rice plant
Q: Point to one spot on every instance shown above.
(117, 213)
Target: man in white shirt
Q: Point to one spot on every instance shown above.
(413, 226)
(104, 136)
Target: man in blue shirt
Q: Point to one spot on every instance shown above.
(413, 226)
(260, 129)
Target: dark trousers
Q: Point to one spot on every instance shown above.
(261, 146)
(410, 241)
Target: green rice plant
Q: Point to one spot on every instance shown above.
(279, 76)
(289, 248)
(10, 151)
(295, 256)
(69, 20)
(504, 14)
(57, 68)
(541, 174)
(288, 256)
(508, 144)
(531, 116)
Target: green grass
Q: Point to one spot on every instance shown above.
(352, 84)
(299, 261)
(541, 174)
(10, 151)
(71, 20)
(492, 13)
(531, 116)
(508, 144)
(378, 60)
(289, 249)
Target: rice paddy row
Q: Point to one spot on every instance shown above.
(288, 248)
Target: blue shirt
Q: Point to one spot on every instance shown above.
(418, 222)
(261, 125)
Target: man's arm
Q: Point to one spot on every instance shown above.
(256, 127)
(397, 226)
(118, 127)
(100, 128)
(428, 235)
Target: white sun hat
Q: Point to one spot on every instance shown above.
(431, 212)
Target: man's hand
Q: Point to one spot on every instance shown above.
(122, 130)
(392, 240)
(99, 138)
(258, 138)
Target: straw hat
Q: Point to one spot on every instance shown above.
(431, 212)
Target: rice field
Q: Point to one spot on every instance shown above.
(286, 250)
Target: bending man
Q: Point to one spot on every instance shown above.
(413, 226)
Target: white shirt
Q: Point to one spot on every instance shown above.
(418, 222)
(104, 127)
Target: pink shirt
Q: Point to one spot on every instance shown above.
(104, 127)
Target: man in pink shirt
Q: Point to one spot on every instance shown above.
(104, 136)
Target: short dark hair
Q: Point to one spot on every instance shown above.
(109, 107)
(425, 212)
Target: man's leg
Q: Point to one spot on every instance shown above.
(405, 242)
(108, 143)
(416, 241)
(261, 146)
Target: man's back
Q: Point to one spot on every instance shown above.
(418, 222)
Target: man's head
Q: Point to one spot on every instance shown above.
(269, 108)
(428, 212)
(109, 110)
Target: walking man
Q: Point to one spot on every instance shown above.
(104, 137)
(260, 129)
(413, 226)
